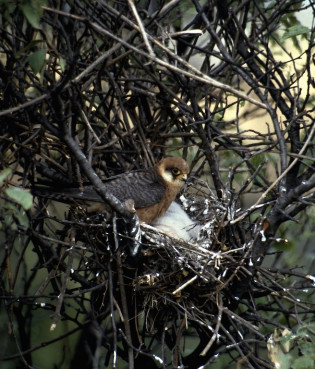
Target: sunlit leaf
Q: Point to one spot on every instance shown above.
(4, 174)
(295, 31)
(20, 196)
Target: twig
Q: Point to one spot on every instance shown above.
(57, 314)
(123, 297)
(217, 326)
(184, 285)
(141, 27)
(263, 196)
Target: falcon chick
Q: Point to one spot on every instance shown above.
(152, 189)
(177, 223)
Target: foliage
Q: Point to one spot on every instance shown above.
(92, 89)
(12, 197)
(294, 351)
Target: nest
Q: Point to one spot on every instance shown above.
(168, 277)
(181, 274)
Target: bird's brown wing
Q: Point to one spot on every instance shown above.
(142, 186)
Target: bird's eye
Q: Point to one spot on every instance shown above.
(175, 171)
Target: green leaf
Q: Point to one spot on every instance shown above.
(295, 31)
(303, 363)
(20, 196)
(22, 219)
(9, 222)
(31, 45)
(36, 60)
(7, 8)
(307, 330)
(307, 349)
(284, 245)
(63, 64)
(4, 174)
(258, 159)
(32, 11)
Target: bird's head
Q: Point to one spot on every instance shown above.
(174, 171)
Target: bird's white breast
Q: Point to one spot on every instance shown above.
(177, 223)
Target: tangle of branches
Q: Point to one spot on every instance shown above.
(92, 89)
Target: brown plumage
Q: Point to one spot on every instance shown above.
(152, 189)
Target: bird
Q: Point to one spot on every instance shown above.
(177, 223)
(152, 189)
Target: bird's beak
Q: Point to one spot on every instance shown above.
(184, 177)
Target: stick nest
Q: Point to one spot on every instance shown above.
(185, 274)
